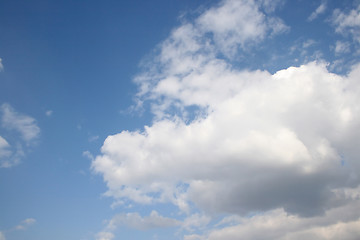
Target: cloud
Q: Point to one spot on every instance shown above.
(290, 129)
(319, 10)
(49, 113)
(1, 65)
(135, 221)
(195, 222)
(193, 237)
(10, 155)
(23, 124)
(347, 23)
(22, 226)
(238, 24)
(271, 6)
(105, 236)
(93, 138)
(4, 148)
(338, 223)
(341, 47)
(25, 224)
(88, 155)
(308, 43)
(264, 148)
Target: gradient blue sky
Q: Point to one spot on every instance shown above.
(176, 110)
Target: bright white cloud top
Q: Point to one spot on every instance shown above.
(275, 154)
(185, 120)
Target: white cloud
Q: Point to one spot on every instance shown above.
(342, 47)
(308, 43)
(22, 226)
(27, 129)
(25, 224)
(1, 68)
(104, 236)
(238, 142)
(135, 221)
(88, 155)
(271, 6)
(23, 124)
(347, 23)
(93, 138)
(4, 148)
(238, 23)
(338, 223)
(193, 237)
(319, 10)
(10, 156)
(195, 221)
(49, 113)
(289, 129)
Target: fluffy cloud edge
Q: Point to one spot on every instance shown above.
(187, 73)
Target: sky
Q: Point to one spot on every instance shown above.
(184, 120)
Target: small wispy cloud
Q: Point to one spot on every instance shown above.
(21, 123)
(347, 23)
(319, 10)
(49, 113)
(104, 236)
(4, 148)
(25, 224)
(22, 129)
(1, 65)
(88, 155)
(341, 47)
(93, 138)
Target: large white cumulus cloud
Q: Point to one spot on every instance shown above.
(241, 142)
(283, 140)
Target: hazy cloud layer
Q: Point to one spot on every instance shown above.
(278, 147)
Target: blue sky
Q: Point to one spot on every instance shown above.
(191, 120)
